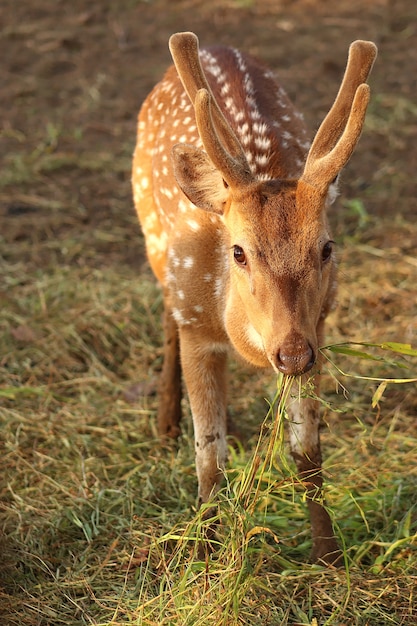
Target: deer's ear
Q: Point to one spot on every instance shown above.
(197, 177)
(333, 190)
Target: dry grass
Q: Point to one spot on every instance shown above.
(97, 517)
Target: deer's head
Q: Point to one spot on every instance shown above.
(282, 265)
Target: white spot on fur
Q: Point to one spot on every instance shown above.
(148, 223)
(244, 129)
(263, 143)
(166, 192)
(156, 243)
(170, 277)
(195, 226)
(218, 287)
(260, 127)
(262, 159)
(178, 317)
(174, 259)
(264, 176)
(183, 206)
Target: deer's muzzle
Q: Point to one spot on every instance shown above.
(295, 356)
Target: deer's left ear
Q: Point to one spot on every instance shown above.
(197, 177)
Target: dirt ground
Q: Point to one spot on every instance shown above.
(72, 78)
(73, 75)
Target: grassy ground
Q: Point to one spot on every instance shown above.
(97, 519)
(98, 522)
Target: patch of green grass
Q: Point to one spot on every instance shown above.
(54, 150)
(99, 521)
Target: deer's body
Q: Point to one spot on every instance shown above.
(233, 208)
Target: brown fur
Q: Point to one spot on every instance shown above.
(239, 154)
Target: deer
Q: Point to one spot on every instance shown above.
(233, 203)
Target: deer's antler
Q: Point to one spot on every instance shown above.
(340, 130)
(214, 129)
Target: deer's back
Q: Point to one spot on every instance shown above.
(270, 130)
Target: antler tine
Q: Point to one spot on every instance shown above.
(319, 172)
(361, 57)
(332, 139)
(185, 53)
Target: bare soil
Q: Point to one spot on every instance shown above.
(73, 76)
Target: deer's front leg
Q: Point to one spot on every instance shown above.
(205, 377)
(304, 427)
(169, 389)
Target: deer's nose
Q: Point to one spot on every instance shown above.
(295, 356)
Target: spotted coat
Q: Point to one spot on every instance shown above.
(253, 267)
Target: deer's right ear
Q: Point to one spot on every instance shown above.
(199, 180)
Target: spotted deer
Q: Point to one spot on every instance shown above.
(232, 201)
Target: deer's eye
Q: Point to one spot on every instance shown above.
(239, 255)
(326, 253)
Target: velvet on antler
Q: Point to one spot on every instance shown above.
(339, 132)
(184, 48)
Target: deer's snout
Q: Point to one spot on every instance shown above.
(295, 356)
